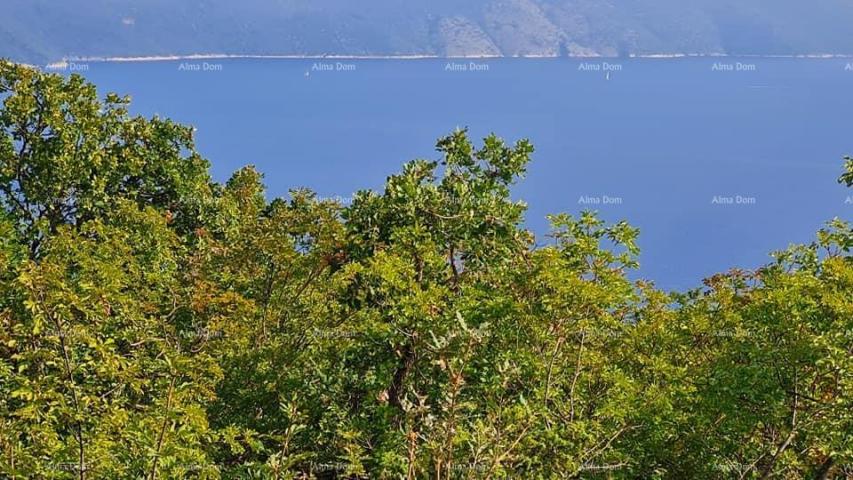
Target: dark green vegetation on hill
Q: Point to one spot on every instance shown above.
(39, 31)
(155, 324)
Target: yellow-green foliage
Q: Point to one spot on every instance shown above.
(155, 324)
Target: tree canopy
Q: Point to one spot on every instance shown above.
(157, 324)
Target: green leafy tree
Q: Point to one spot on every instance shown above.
(68, 157)
(847, 177)
(97, 377)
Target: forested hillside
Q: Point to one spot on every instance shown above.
(156, 324)
(39, 31)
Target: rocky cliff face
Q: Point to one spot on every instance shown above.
(46, 30)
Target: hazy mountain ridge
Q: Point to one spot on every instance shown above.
(47, 30)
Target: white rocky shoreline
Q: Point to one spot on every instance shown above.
(221, 56)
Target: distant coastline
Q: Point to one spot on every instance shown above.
(218, 56)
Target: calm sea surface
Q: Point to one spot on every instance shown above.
(663, 143)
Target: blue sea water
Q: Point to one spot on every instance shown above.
(655, 141)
